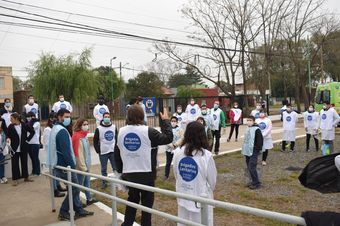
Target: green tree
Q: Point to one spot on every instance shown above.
(17, 83)
(68, 75)
(145, 84)
(191, 77)
(187, 91)
(110, 85)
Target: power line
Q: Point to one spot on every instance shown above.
(96, 17)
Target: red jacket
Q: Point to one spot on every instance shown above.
(232, 115)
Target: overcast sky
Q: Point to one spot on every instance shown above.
(19, 46)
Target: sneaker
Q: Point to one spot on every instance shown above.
(84, 213)
(61, 189)
(15, 183)
(307, 150)
(264, 163)
(235, 139)
(90, 202)
(4, 180)
(228, 140)
(27, 179)
(83, 205)
(58, 194)
(64, 216)
(254, 187)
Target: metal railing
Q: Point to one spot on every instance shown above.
(205, 202)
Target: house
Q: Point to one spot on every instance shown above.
(6, 84)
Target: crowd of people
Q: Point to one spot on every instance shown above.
(190, 138)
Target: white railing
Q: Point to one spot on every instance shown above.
(203, 201)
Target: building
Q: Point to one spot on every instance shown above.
(6, 84)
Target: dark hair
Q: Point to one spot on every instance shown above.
(29, 96)
(201, 118)
(30, 114)
(174, 117)
(62, 112)
(203, 105)
(78, 125)
(7, 99)
(179, 105)
(251, 117)
(106, 113)
(52, 116)
(139, 98)
(326, 102)
(135, 115)
(16, 116)
(132, 101)
(60, 95)
(195, 138)
(100, 97)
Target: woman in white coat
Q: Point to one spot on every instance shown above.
(265, 125)
(195, 172)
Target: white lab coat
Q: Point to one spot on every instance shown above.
(265, 125)
(182, 120)
(59, 105)
(328, 121)
(289, 125)
(311, 122)
(98, 112)
(195, 176)
(193, 112)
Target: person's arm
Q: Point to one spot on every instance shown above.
(30, 130)
(80, 160)
(118, 158)
(222, 120)
(96, 142)
(336, 118)
(258, 143)
(95, 112)
(268, 129)
(64, 145)
(54, 108)
(163, 137)
(305, 121)
(212, 173)
(231, 116)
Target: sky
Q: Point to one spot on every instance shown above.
(19, 46)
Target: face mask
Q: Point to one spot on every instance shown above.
(179, 111)
(258, 107)
(310, 109)
(289, 110)
(61, 99)
(8, 105)
(192, 102)
(235, 106)
(29, 118)
(262, 115)
(250, 123)
(106, 120)
(216, 106)
(85, 128)
(67, 121)
(31, 101)
(204, 112)
(100, 102)
(324, 107)
(173, 124)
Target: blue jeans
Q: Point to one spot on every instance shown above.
(85, 181)
(65, 206)
(103, 162)
(33, 152)
(56, 183)
(2, 166)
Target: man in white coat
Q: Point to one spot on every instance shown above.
(193, 111)
(265, 125)
(256, 111)
(31, 106)
(62, 103)
(329, 119)
(289, 118)
(311, 124)
(99, 110)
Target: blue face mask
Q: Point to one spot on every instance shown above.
(8, 105)
(106, 120)
(67, 121)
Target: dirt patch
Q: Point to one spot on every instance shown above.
(281, 189)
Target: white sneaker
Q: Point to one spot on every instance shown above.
(264, 163)
(3, 180)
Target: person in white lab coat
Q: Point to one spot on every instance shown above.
(256, 111)
(311, 124)
(195, 172)
(181, 116)
(265, 125)
(31, 106)
(193, 111)
(62, 103)
(329, 119)
(289, 118)
(99, 110)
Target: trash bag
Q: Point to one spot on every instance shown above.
(321, 175)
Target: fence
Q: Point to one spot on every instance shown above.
(204, 201)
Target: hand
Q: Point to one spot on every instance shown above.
(8, 141)
(306, 129)
(164, 115)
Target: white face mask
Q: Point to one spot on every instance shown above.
(204, 112)
(258, 107)
(192, 102)
(310, 109)
(179, 110)
(262, 115)
(173, 124)
(31, 101)
(250, 123)
(324, 107)
(85, 128)
(61, 99)
(235, 106)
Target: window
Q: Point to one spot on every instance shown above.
(323, 96)
(2, 82)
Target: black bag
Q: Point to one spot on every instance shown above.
(321, 175)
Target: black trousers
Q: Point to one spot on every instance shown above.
(15, 165)
(217, 136)
(265, 155)
(232, 127)
(292, 145)
(251, 162)
(308, 141)
(169, 157)
(136, 196)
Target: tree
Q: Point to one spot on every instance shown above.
(191, 77)
(73, 77)
(146, 84)
(187, 91)
(17, 83)
(111, 86)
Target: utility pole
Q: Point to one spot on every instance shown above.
(120, 69)
(321, 65)
(309, 76)
(111, 74)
